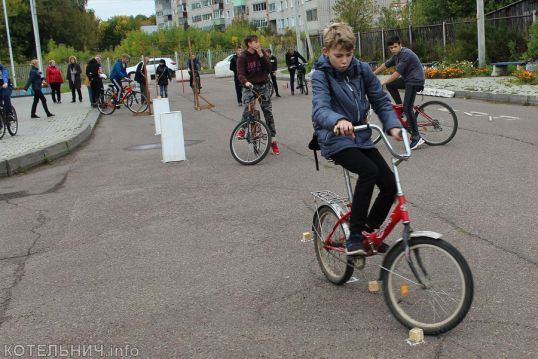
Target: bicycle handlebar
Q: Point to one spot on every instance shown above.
(403, 156)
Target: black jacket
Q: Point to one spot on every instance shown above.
(140, 77)
(77, 83)
(34, 79)
(233, 64)
(163, 74)
(92, 70)
(274, 63)
(292, 61)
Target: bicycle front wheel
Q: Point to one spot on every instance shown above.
(250, 142)
(13, 123)
(305, 85)
(444, 298)
(300, 84)
(437, 122)
(105, 103)
(136, 102)
(330, 251)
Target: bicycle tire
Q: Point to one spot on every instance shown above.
(300, 82)
(305, 87)
(335, 265)
(403, 296)
(270, 87)
(441, 127)
(136, 102)
(254, 145)
(198, 83)
(13, 125)
(2, 125)
(105, 103)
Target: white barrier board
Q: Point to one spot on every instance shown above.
(160, 105)
(172, 140)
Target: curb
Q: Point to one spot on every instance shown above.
(498, 97)
(52, 152)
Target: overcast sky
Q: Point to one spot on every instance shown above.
(105, 9)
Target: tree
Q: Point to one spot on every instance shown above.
(358, 14)
(429, 11)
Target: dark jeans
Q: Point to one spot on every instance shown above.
(292, 79)
(38, 95)
(238, 89)
(273, 79)
(143, 89)
(372, 170)
(5, 99)
(73, 94)
(96, 85)
(55, 91)
(409, 100)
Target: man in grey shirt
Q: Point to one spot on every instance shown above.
(409, 75)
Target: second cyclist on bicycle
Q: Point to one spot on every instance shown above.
(292, 61)
(118, 73)
(343, 88)
(253, 67)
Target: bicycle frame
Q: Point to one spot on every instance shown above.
(398, 109)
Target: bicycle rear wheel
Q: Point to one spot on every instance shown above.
(13, 123)
(270, 88)
(300, 80)
(330, 252)
(437, 122)
(305, 87)
(105, 103)
(250, 141)
(136, 102)
(446, 296)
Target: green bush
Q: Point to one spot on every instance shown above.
(532, 45)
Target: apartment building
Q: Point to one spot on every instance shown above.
(279, 15)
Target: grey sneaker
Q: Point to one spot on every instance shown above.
(416, 142)
(354, 245)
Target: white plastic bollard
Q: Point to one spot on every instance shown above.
(160, 105)
(172, 140)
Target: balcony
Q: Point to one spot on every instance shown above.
(239, 2)
(219, 21)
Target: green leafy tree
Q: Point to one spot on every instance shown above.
(359, 14)
(532, 46)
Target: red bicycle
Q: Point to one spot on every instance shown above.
(426, 281)
(436, 121)
(135, 101)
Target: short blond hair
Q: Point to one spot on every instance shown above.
(339, 34)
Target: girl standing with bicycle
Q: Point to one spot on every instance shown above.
(343, 88)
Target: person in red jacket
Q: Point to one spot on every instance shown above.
(55, 80)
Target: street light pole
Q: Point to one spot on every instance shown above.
(299, 46)
(481, 33)
(36, 34)
(9, 46)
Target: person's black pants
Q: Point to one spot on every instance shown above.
(73, 94)
(38, 95)
(238, 89)
(409, 100)
(372, 170)
(273, 79)
(96, 86)
(55, 91)
(143, 89)
(292, 79)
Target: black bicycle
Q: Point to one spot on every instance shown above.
(10, 124)
(302, 84)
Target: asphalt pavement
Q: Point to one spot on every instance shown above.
(203, 259)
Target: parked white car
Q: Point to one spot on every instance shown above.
(222, 68)
(152, 65)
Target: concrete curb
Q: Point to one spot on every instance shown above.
(498, 97)
(50, 153)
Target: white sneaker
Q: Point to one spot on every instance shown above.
(416, 143)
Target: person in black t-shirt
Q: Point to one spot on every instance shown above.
(274, 66)
(292, 61)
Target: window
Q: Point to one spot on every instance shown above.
(312, 15)
(259, 7)
(228, 15)
(197, 18)
(260, 23)
(292, 22)
(206, 3)
(196, 5)
(207, 16)
(272, 7)
(217, 14)
(285, 5)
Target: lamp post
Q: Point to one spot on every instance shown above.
(36, 34)
(9, 46)
(481, 33)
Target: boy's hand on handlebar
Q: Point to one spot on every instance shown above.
(396, 133)
(345, 128)
(249, 85)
